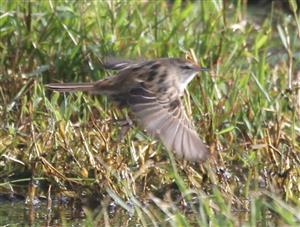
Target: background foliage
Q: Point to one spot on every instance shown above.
(247, 109)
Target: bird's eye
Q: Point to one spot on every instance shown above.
(185, 67)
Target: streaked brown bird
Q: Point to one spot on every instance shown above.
(153, 91)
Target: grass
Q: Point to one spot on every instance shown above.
(247, 110)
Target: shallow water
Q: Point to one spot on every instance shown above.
(17, 213)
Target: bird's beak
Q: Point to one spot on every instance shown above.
(199, 68)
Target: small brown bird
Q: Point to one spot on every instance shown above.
(152, 90)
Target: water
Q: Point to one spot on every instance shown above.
(17, 213)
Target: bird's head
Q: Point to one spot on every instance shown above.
(186, 71)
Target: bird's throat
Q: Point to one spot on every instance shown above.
(185, 81)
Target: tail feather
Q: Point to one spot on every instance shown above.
(71, 87)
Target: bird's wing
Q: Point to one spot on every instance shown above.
(165, 117)
(119, 64)
(114, 64)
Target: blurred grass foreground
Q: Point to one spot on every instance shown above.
(247, 109)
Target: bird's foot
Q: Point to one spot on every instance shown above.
(125, 125)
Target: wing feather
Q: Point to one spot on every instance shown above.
(167, 120)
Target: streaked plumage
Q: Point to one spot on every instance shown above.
(153, 91)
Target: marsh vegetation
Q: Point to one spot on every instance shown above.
(66, 147)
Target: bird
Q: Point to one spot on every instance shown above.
(152, 90)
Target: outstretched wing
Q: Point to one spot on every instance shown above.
(165, 117)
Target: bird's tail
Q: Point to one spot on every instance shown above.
(71, 87)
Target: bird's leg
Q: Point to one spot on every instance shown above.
(125, 125)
